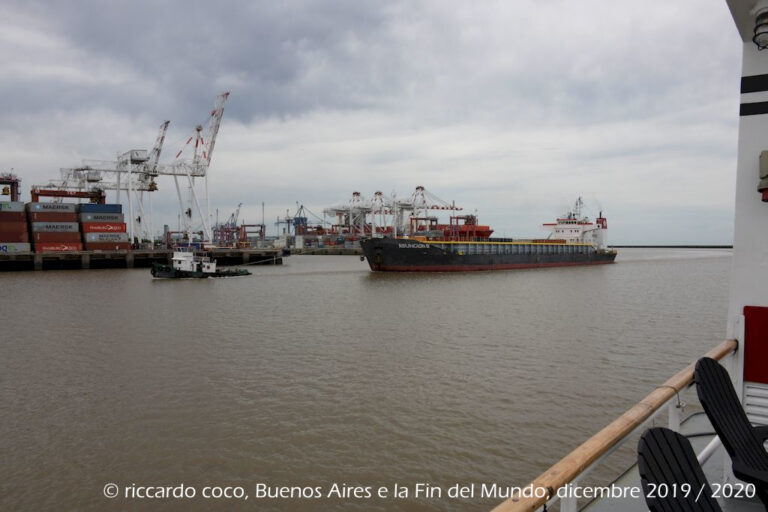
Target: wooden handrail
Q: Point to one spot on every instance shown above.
(579, 459)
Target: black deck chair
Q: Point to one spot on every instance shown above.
(742, 441)
(666, 461)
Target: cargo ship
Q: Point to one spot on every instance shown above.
(464, 245)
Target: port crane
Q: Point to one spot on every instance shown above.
(194, 167)
(135, 172)
(225, 234)
(412, 213)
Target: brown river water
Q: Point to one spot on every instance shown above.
(320, 372)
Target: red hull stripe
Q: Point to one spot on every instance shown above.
(466, 268)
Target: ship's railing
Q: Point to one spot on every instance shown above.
(580, 462)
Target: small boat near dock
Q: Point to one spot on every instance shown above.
(185, 265)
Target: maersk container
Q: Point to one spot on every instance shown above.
(14, 247)
(52, 217)
(101, 208)
(11, 206)
(103, 227)
(59, 227)
(52, 207)
(105, 237)
(102, 217)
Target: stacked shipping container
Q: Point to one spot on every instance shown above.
(63, 227)
(54, 227)
(103, 227)
(14, 235)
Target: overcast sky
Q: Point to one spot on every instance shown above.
(510, 108)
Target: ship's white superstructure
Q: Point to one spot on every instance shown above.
(188, 262)
(573, 227)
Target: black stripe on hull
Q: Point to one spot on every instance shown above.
(753, 109)
(755, 83)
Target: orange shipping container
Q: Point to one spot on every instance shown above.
(13, 227)
(52, 217)
(45, 237)
(14, 237)
(12, 217)
(103, 227)
(60, 247)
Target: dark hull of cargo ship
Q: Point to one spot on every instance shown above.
(408, 255)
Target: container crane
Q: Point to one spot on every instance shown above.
(225, 234)
(197, 167)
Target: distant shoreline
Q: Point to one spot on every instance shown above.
(672, 246)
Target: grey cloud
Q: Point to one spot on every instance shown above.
(466, 98)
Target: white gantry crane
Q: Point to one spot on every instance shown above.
(135, 171)
(415, 210)
(194, 167)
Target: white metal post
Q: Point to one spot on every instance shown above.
(151, 223)
(130, 206)
(673, 409)
(206, 229)
(181, 208)
(208, 205)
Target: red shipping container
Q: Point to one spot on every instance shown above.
(62, 247)
(108, 246)
(13, 227)
(103, 227)
(14, 237)
(52, 217)
(46, 237)
(12, 217)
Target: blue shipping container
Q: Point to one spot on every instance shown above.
(101, 208)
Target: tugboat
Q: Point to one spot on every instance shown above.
(186, 265)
